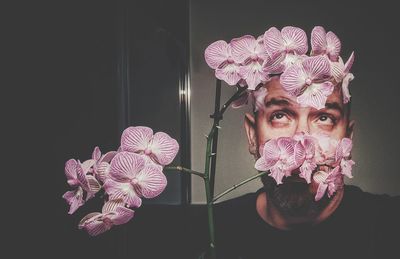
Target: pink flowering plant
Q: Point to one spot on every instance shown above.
(136, 170)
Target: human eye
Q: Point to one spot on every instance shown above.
(279, 118)
(326, 120)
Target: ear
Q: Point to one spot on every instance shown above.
(250, 127)
(350, 129)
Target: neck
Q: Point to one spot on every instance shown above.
(271, 215)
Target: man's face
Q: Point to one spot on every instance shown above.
(282, 116)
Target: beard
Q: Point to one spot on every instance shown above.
(293, 198)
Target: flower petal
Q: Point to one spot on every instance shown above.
(277, 174)
(293, 79)
(125, 166)
(112, 205)
(122, 215)
(136, 139)
(271, 153)
(216, 53)
(299, 154)
(306, 170)
(273, 41)
(345, 87)
(70, 171)
(316, 95)
(274, 65)
(318, 40)
(346, 166)
(317, 68)
(295, 40)
(96, 153)
(74, 199)
(122, 191)
(337, 70)
(349, 63)
(94, 224)
(253, 74)
(151, 182)
(321, 191)
(164, 148)
(333, 45)
(103, 170)
(229, 74)
(343, 149)
(243, 48)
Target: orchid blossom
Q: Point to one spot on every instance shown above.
(341, 73)
(131, 179)
(218, 56)
(323, 43)
(160, 147)
(308, 82)
(113, 213)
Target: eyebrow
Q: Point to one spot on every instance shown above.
(334, 106)
(285, 102)
(278, 102)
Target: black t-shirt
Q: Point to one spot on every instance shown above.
(364, 225)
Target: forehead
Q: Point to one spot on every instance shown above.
(276, 91)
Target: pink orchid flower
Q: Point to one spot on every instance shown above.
(101, 166)
(342, 156)
(325, 150)
(130, 179)
(160, 147)
(309, 164)
(308, 81)
(113, 213)
(280, 156)
(284, 48)
(328, 182)
(218, 56)
(83, 183)
(341, 73)
(323, 43)
(250, 53)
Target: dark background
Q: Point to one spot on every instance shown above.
(76, 73)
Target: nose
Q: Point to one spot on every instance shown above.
(303, 125)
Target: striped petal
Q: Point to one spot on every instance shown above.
(228, 73)
(293, 79)
(337, 70)
(151, 182)
(164, 148)
(112, 205)
(321, 191)
(125, 166)
(216, 53)
(93, 223)
(103, 170)
(318, 40)
(317, 68)
(122, 191)
(299, 153)
(295, 40)
(243, 48)
(274, 65)
(343, 149)
(333, 46)
(136, 139)
(345, 87)
(96, 153)
(306, 170)
(273, 42)
(93, 185)
(70, 172)
(346, 167)
(271, 153)
(122, 215)
(107, 157)
(253, 74)
(74, 199)
(277, 174)
(316, 95)
(349, 63)
(286, 147)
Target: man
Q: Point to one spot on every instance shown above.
(301, 136)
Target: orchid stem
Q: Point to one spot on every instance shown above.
(237, 185)
(210, 160)
(183, 170)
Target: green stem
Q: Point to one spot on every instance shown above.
(237, 185)
(183, 170)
